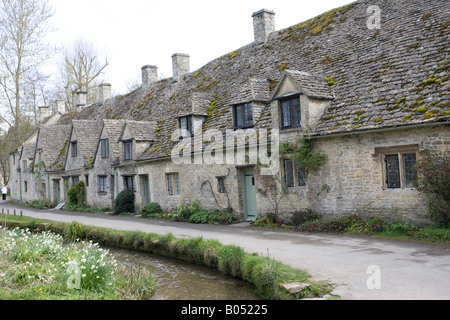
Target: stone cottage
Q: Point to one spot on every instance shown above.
(371, 91)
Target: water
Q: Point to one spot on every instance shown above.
(178, 280)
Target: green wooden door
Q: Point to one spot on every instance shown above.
(251, 212)
(145, 190)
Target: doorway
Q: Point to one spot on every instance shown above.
(249, 195)
(145, 189)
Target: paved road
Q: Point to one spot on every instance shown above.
(399, 270)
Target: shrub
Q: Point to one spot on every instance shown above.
(301, 217)
(150, 209)
(433, 180)
(124, 203)
(186, 211)
(204, 217)
(77, 194)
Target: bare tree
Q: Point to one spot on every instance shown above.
(81, 71)
(23, 26)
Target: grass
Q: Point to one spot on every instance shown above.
(264, 273)
(354, 225)
(41, 266)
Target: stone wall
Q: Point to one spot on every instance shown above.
(351, 179)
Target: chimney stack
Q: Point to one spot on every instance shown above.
(81, 100)
(180, 64)
(149, 75)
(263, 25)
(60, 106)
(104, 92)
(44, 112)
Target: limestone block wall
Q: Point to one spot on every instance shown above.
(351, 179)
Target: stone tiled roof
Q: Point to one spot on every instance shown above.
(311, 85)
(114, 129)
(380, 78)
(53, 142)
(142, 131)
(88, 134)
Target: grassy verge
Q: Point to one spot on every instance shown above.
(265, 274)
(355, 225)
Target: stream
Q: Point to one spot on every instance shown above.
(178, 280)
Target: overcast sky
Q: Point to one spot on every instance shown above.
(135, 33)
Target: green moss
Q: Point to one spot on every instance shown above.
(421, 109)
(283, 66)
(426, 16)
(430, 114)
(407, 117)
(378, 120)
(330, 81)
(233, 54)
(329, 117)
(361, 112)
(446, 113)
(381, 99)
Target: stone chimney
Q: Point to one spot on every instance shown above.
(61, 106)
(104, 92)
(44, 112)
(263, 24)
(149, 75)
(81, 100)
(180, 64)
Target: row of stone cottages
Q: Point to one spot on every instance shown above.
(364, 96)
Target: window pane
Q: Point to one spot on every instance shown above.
(248, 117)
(102, 184)
(74, 150)
(105, 148)
(239, 111)
(295, 109)
(289, 173)
(177, 183)
(128, 146)
(285, 114)
(392, 171)
(221, 182)
(301, 177)
(170, 184)
(409, 161)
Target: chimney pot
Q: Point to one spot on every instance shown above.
(180, 64)
(263, 24)
(149, 74)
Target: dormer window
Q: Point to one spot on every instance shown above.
(185, 124)
(74, 147)
(104, 147)
(290, 112)
(128, 150)
(243, 115)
